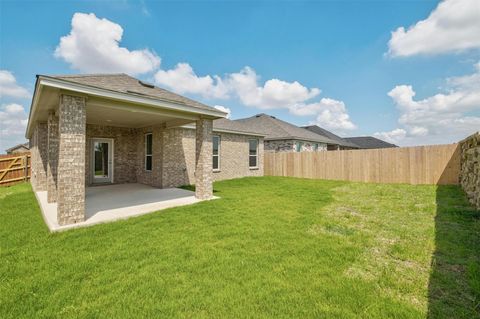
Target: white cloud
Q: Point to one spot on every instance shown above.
(329, 113)
(393, 136)
(454, 25)
(13, 122)
(93, 46)
(273, 94)
(441, 118)
(183, 80)
(224, 109)
(9, 86)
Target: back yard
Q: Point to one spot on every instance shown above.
(270, 247)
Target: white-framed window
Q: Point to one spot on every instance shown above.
(315, 147)
(298, 146)
(253, 153)
(148, 151)
(216, 153)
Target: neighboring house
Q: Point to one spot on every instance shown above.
(281, 136)
(20, 148)
(369, 142)
(342, 143)
(105, 129)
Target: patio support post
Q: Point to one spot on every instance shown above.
(203, 159)
(52, 157)
(40, 158)
(71, 160)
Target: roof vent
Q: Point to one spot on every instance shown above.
(145, 84)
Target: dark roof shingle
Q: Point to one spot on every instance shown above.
(321, 131)
(274, 128)
(124, 83)
(369, 142)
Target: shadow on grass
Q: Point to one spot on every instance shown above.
(454, 285)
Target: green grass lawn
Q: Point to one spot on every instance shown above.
(270, 247)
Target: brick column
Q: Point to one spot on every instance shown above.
(40, 158)
(52, 158)
(203, 159)
(71, 160)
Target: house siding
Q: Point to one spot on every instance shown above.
(289, 146)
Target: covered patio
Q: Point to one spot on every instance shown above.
(108, 203)
(106, 147)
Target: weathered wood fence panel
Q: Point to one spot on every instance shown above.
(436, 164)
(14, 168)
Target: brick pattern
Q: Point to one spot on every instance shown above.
(71, 160)
(178, 157)
(153, 177)
(203, 159)
(40, 157)
(234, 151)
(289, 146)
(52, 158)
(470, 168)
(124, 149)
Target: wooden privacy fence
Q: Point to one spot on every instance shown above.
(14, 168)
(436, 164)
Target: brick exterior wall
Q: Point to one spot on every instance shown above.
(39, 157)
(178, 157)
(52, 158)
(234, 150)
(289, 146)
(124, 152)
(203, 159)
(71, 160)
(470, 168)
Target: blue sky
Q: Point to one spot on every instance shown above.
(339, 47)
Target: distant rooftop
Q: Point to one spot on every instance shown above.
(276, 129)
(367, 142)
(321, 131)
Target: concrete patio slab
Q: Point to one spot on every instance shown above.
(108, 203)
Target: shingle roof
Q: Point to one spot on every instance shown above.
(367, 142)
(124, 83)
(25, 145)
(321, 131)
(235, 126)
(275, 129)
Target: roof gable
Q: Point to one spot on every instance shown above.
(275, 128)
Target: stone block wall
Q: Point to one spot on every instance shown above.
(470, 168)
(289, 146)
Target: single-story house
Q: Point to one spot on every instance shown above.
(281, 136)
(103, 129)
(20, 148)
(342, 143)
(369, 142)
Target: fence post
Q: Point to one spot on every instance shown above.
(25, 163)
